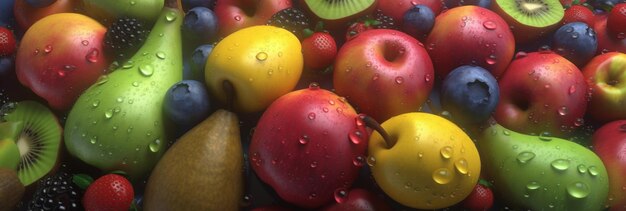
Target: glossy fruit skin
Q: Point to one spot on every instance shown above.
(233, 15)
(319, 50)
(578, 13)
(605, 77)
(109, 192)
(396, 8)
(481, 198)
(540, 172)
(26, 15)
(575, 41)
(358, 199)
(541, 92)
(525, 34)
(616, 21)
(470, 27)
(262, 63)
(107, 11)
(418, 21)
(189, 4)
(609, 142)
(200, 24)
(7, 42)
(410, 171)
(470, 94)
(198, 61)
(307, 144)
(394, 79)
(187, 103)
(60, 56)
(606, 41)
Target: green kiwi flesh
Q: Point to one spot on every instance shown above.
(39, 141)
(535, 13)
(337, 9)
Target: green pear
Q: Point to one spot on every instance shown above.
(9, 152)
(542, 173)
(118, 123)
(107, 11)
(202, 170)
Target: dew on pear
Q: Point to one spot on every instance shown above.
(533, 185)
(170, 16)
(93, 140)
(146, 70)
(128, 64)
(525, 156)
(578, 190)
(560, 164)
(461, 166)
(442, 176)
(371, 161)
(261, 56)
(582, 168)
(593, 171)
(102, 80)
(155, 145)
(545, 136)
(341, 195)
(160, 55)
(95, 103)
(108, 114)
(446, 152)
(506, 132)
(135, 84)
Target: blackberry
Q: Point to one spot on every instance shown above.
(385, 22)
(292, 19)
(124, 37)
(56, 192)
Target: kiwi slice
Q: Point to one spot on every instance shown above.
(338, 9)
(534, 13)
(39, 140)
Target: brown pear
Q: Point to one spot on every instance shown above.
(202, 170)
(11, 189)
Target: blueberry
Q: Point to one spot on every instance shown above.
(198, 3)
(575, 41)
(470, 94)
(6, 65)
(456, 3)
(39, 3)
(187, 103)
(198, 61)
(418, 21)
(200, 24)
(6, 16)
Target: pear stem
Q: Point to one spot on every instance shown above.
(176, 4)
(372, 123)
(229, 89)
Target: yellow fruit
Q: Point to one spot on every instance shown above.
(262, 63)
(433, 163)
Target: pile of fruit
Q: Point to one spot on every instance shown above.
(312, 104)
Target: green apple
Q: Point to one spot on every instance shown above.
(261, 62)
(423, 160)
(606, 77)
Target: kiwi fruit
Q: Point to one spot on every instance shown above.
(530, 19)
(337, 12)
(39, 140)
(11, 189)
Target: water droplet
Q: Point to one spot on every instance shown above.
(582, 169)
(312, 195)
(355, 137)
(341, 195)
(84, 42)
(560, 164)
(128, 64)
(95, 103)
(506, 132)
(578, 190)
(579, 122)
(92, 56)
(146, 70)
(314, 86)
(93, 140)
(562, 111)
(313, 164)
(520, 55)
(490, 25)
(399, 80)
(427, 77)
(304, 140)
(545, 136)
(524, 157)
(446, 152)
(47, 49)
(237, 18)
(371, 161)
(420, 155)
(160, 55)
(593, 171)
(533, 185)
(491, 59)
(358, 161)
(261, 56)
(571, 89)
(108, 114)
(442, 176)
(170, 16)
(311, 116)
(461, 166)
(155, 145)
(135, 84)
(132, 3)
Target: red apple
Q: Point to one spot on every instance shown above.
(307, 144)
(606, 41)
(60, 56)
(606, 77)
(384, 73)
(396, 8)
(470, 35)
(541, 92)
(233, 15)
(357, 199)
(26, 15)
(609, 142)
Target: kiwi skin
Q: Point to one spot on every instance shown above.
(338, 24)
(11, 189)
(525, 34)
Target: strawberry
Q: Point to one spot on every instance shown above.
(319, 50)
(109, 192)
(578, 13)
(481, 198)
(616, 22)
(7, 42)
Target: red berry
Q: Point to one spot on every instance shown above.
(616, 22)
(7, 42)
(319, 50)
(110, 192)
(578, 13)
(357, 28)
(481, 198)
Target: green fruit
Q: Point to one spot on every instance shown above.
(118, 123)
(202, 170)
(542, 173)
(338, 9)
(9, 152)
(107, 11)
(11, 189)
(37, 134)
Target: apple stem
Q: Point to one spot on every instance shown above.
(229, 89)
(372, 123)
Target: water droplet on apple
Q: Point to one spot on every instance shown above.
(237, 18)
(533, 185)
(355, 137)
(146, 70)
(341, 195)
(490, 25)
(358, 161)
(571, 89)
(331, 102)
(36, 51)
(311, 116)
(314, 86)
(560, 164)
(170, 16)
(304, 140)
(520, 54)
(446, 152)
(313, 164)
(578, 190)
(579, 122)
(325, 110)
(92, 56)
(313, 195)
(461, 166)
(399, 80)
(47, 49)
(525, 156)
(442, 176)
(582, 168)
(491, 59)
(593, 171)
(562, 111)
(427, 78)
(371, 161)
(155, 145)
(261, 56)
(84, 42)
